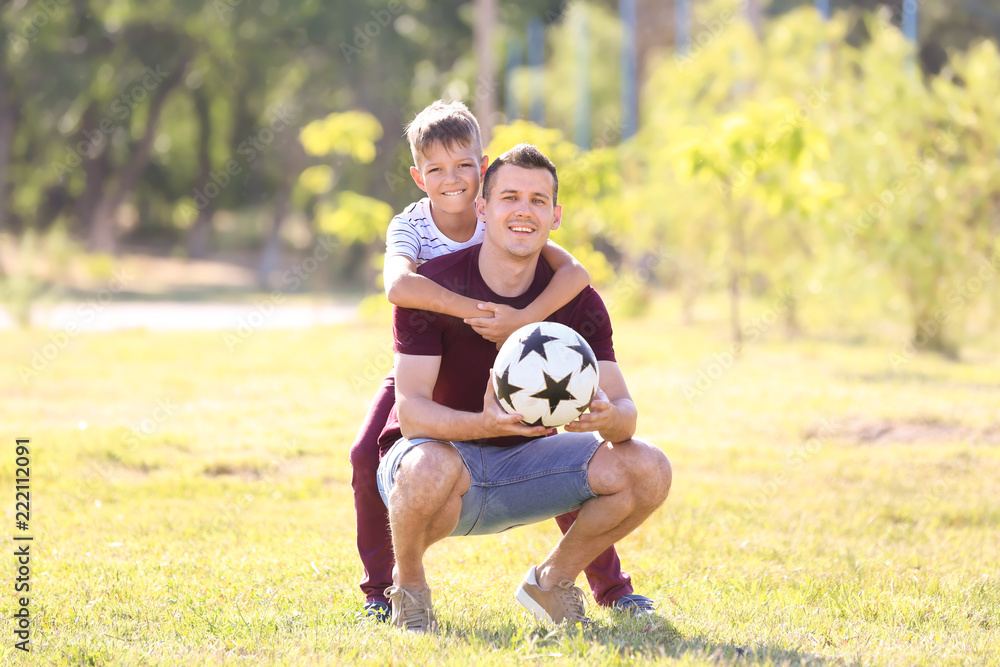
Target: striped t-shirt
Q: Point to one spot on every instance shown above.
(413, 233)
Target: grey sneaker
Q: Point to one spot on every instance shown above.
(634, 604)
(563, 602)
(411, 610)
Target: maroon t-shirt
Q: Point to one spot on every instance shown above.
(467, 357)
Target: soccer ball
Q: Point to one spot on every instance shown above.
(547, 373)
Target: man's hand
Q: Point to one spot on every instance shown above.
(498, 422)
(497, 323)
(602, 416)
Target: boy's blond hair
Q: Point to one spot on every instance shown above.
(447, 123)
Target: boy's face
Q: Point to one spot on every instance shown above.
(520, 212)
(450, 178)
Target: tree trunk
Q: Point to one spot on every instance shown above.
(292, 160)
(96, 169)
(199, 235)
(737, 260)
(485, 89)
(8, 119)
(103, 235)
(755, 15)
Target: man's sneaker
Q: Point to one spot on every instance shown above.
(634, 605)
(377, 610)
(563, 602)
(411, 610)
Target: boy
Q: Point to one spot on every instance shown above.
(449, 164)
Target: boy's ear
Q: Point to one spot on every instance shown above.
(418, 178)
(483, 166)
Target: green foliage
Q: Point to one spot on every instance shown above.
(351, 133)
(354, 218)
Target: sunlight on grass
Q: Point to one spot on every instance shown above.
(192, 505)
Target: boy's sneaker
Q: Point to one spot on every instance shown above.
(634, 605)
(376, 609)
(563, 602)
(411, 610)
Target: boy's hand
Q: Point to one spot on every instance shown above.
(498, 422)
(497, 323)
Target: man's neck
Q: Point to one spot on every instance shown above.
(504, 274)
(459, 227)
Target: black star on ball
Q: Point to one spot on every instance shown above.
(555, 391)
(537, 422)
(504, 386)
(535, 342)
(586, 354)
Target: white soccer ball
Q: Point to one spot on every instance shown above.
(547, 373)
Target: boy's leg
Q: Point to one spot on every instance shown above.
(374, 542)
(607, 580)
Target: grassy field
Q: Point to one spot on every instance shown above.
(191, 504)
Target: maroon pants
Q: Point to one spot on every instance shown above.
(605, 575)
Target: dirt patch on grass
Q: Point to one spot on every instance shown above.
(869, 431)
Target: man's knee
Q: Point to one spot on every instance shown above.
(634, 465)
(653, 471)
(428, 475)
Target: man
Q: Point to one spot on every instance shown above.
(460, 465)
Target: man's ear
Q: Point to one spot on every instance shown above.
(418, 178)
(480, 208)
(557, 216)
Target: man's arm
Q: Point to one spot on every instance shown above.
(420, 416)
(568, 280)
(406, 288)
(612, 412)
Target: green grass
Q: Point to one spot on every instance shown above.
(204, 515)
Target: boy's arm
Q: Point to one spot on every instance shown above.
(568, 280)
(406, 288)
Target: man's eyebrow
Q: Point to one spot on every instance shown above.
(533, 194)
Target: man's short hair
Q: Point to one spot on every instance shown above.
(525, 156)
(448, 123)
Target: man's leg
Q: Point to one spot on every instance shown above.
(374, 542)
(631, 479)
(424, 506)
(604, 574)
(423, 486)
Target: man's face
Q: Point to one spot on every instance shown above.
(520, 213)
(450, 177)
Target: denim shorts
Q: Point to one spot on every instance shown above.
(512, 486)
